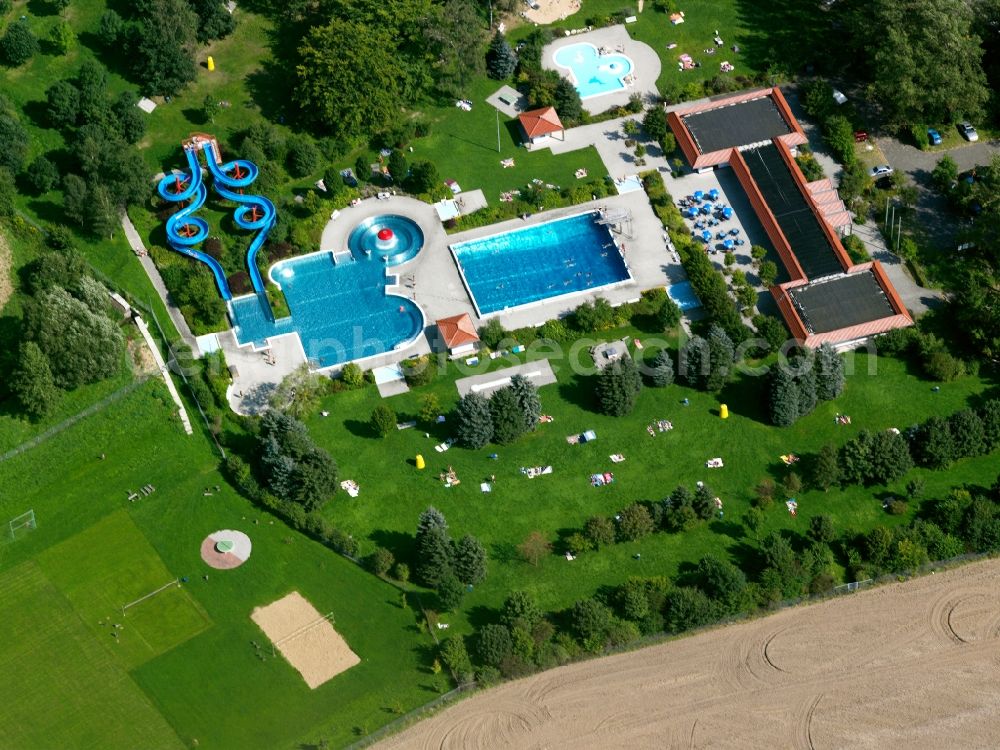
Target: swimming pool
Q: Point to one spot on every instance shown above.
(539, 262)
(340, 310)
(592, 73)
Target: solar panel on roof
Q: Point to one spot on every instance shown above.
(736, 125)
(842, 302)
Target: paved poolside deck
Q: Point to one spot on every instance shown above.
(646, 65)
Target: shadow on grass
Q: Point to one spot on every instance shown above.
(745, 396)
(580, 391)
(731, 529)
(399, 544)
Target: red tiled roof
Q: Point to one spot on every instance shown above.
(457, 330)
(540, 122)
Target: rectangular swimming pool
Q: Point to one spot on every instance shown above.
(540, 262)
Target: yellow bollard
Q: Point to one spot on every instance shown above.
(420, 462)
(211, 63)
(724, 411)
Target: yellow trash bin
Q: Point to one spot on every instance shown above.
(211, 63)
(724, 411)
(420, 462)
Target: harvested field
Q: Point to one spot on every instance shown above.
(6, 283)
(308, 641)
(907, 665)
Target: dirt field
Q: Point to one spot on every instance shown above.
(314, 648)
(550, 11)
(6, 285)
(910, 665)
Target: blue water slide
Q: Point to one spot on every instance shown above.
(255, 212)
(185, 231)
(167, 187)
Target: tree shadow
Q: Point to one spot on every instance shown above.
(359, 428)
(481, 615)
(42, 8)
(401, 545)
(729, 528)
(746, 395)
(504, 552)
(580, 391)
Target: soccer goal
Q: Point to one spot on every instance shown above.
(24, 522)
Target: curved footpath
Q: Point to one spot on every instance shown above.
(910, 665)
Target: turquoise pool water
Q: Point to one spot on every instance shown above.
(340, 311)
(404, 243)
(540, 262)
(593, 74)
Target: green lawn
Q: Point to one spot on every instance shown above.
(62, 686)
(393, 493)
(188, 650)
(111, 564)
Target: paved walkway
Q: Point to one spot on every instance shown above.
(132, 235)
(538, 372)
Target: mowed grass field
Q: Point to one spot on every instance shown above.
(184, 671)
(393, 492)
(62, 687)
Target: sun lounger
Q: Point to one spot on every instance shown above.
(406, 425)
(485, 487)
(617, 458)
(546, 418)
(714, 463)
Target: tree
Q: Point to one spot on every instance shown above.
(383, 420)
(634, 522)
(493, 644)
(450, 593)
(753, 519)
(839, 134)
(348, 78)
(771, 330)
(82, 346)
(826, 471)
(687, 607)
(534, 548)
(721, 581)
(423, 177)
(669, 315)
(703, 502)
(768, 273)
(589, 619)
(508, 419)
(32, 383)
(967, 429)
(164, 43)
(694, 362)
(945, 174)
(784, 397)
(526, 393)
(363, 168)
(398, 167)
(829, 370)
(13, 143)
(456, 657)
(380, 561)
(600, 531)
(111, 29)
(303, 156)
(18, 45)
(721, 354)
(520, 610)
(662, 373)
(934, 444)
(63, 269)
(925, 60)
(7, 193)
(298, 394)
(493, 333)
(42, 175)
(806, 383)
(430, 408)
(62, 37)
(453, 37)
(130, 121)
(618, 386)
(990, 416)
(435, 557)
(654, 124)
(890, 458)
(214, 21)
(470, 560)
(821, 529)
(474, 419)
(105, 213)
(567, 101)
(62, 104)
(500, 58)
(792, 484)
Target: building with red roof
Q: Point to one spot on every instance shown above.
(539, 124)
(458, 334)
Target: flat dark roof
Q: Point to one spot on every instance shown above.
(736, 125)
(841, 302)
(797, 220)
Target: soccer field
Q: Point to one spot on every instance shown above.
(61, 687)
(111, 564)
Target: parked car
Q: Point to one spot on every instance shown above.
(934, 137)
(882, 170)
(968, 132)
